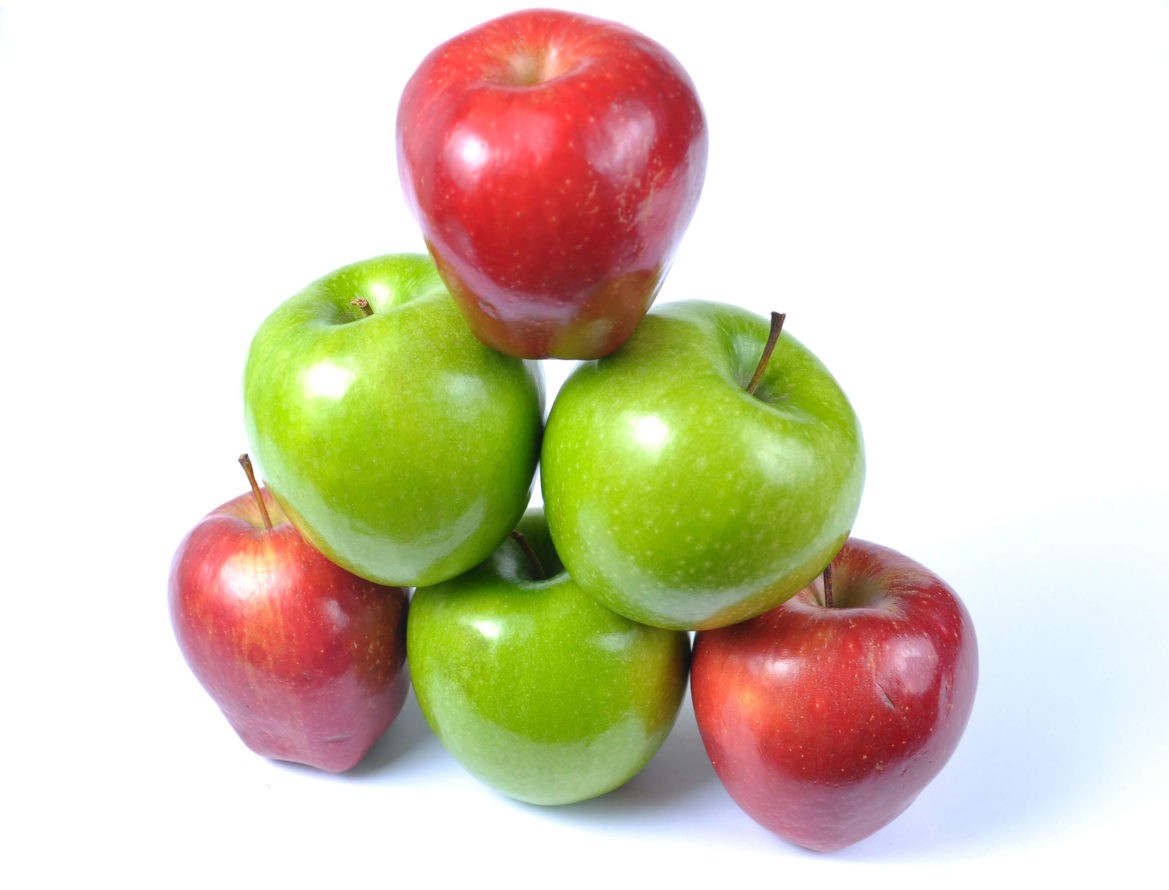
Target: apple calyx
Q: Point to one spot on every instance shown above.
(777, 319)
(245, 461)
(538, 572)
(363, 304)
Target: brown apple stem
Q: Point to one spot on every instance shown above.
(777, 319)
(246, 462)
(363, 304)
(827, 575)
(526, 546)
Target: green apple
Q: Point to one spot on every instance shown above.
(680, 499)
(534, 687)
(397, 443)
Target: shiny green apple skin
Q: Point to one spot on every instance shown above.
(399, 445)
(535, 688)
(678, 499)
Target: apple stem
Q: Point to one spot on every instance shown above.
(827, 575)
(246, 462)
(777, 319)
(526, 546)
(363, 304)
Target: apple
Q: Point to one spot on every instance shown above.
(401, 447)
(535, 688)
(554, 161)
(306, 661)
(704, 472)
(826, 716)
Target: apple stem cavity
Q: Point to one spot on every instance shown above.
(531, 67)
(777, 319)
(363, 304)
(827, 575)
(537, 568)
(246, 462)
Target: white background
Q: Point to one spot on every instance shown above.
(963, 207)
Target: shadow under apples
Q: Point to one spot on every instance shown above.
(678, 771)
(409, 737)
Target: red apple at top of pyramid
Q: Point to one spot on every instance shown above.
(554, 162)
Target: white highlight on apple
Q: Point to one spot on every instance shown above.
(651, 431)
(327, 380)
(488, 628)
(472, 150)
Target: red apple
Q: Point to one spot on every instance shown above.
(554, 161)
(306, 660)
(827, 716)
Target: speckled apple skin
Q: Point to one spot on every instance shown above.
(534, 687)
(680, 500)
(397, 443)
(825, 724)
(553, 161)
(306, 661)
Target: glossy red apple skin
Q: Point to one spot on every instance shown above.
(553, 161)
(306, 661)
(824, 724)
